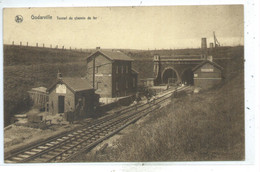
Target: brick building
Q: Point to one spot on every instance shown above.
(68, 93)
(207, 74)
(111, 73)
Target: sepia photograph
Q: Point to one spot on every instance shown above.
(124, 84)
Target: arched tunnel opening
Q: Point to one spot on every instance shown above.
(169, 76)
(187, 77)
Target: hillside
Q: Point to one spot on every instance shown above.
(29, 67)
(17, 55)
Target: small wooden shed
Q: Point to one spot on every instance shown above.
(39, 97)
(72, 94)
(207, 74)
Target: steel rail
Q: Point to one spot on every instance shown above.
(97, 122)
(92, 125)
(102, 125)
(92, 144)
(90, 135)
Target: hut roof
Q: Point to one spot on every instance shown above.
(39, 89)
(207, 61)
(113, 55)
(74, 84)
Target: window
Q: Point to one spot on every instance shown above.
(126, 84)
(117, 86)
(126, 69)
(117, 69)
(83, 101)
(134, 82)
(98, 86)
(122, 69)
(47, 107)
(96, 69)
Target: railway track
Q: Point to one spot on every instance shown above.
(68, 145)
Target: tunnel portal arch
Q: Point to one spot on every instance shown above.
(187, 77)
(169, 73)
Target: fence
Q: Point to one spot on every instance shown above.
(120, 102)
(50, 46)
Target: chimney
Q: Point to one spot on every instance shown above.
(59, 75)
(203, 43)
(156, 57)
(97, 48)
(210, 58)
(211, 45)
(204, 48)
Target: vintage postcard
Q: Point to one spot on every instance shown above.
(124, 84)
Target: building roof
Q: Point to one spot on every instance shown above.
(207, 61)
(147, 79)
(113, 55)
(74, 84)
(77, 84)
(181, 56)
(39, 89)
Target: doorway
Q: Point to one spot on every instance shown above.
(61, 104)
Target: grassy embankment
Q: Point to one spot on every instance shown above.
(204, 126)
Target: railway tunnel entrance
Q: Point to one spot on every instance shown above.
(187, 77)
(169, 75)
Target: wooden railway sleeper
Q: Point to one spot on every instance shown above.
(30, 152)
(103, 124)
(123, 121)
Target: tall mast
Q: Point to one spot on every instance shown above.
(217, 44)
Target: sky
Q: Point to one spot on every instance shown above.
(161, 27)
